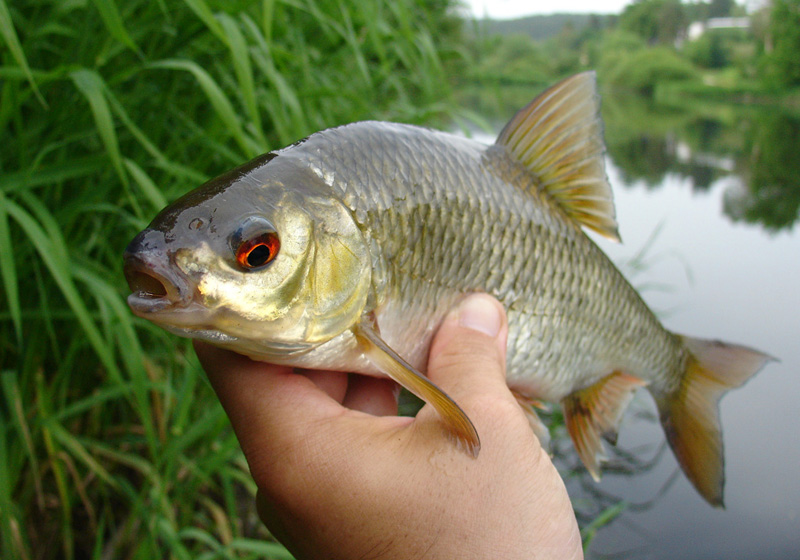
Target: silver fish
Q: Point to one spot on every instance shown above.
(345, 250)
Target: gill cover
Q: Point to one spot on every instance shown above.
(338, 279)
(273, 262)
(317, 285)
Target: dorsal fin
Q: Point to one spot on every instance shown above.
(559, 137)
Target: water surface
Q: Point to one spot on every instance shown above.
(736, 282)
(710, 195)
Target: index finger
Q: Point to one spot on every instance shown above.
(273, 409)
(261, 398)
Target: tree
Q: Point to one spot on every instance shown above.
(771, 170)
(781, 62)
(720, 8)
(655, 21)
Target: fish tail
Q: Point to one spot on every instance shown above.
(690, 414)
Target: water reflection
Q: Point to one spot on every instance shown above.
(771, 169)
(721, 186)
(742, 289)
(596, 505)
(755, 147)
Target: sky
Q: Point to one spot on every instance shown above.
(507, 9)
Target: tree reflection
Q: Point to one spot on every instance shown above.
(702, 144)
(771, 172)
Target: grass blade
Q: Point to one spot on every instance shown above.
(132, 354)
(218, 99)
(69, 442)
(8, 270)
(243, 70)
(267, 18)
(202, 10)
(9, 514)
(9, 35)
(606, 516)
(57, 467)
(53, 174)
(262, 549)
(10, 384)
(91, 85)
(113, 22)
(287, 113)
(53, 253)
(351, 38)
(146, 184)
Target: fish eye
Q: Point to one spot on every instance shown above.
(258, 251)
(255, 243)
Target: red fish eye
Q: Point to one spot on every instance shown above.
(258, 251)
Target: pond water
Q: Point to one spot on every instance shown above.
(707, 198)
(735, 282)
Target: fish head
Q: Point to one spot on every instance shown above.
(263, 260)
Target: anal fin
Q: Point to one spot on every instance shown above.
(594, 412)
(529, 407)
(387, 360)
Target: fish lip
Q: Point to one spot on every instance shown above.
(145, 306)
(144, 273)
(260, 350)
(178, 319)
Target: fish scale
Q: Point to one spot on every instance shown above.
(345, 251)
(482, 233)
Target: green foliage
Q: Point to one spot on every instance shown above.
(655, 21)
(707, 51)
(509, 59)
(636, 133)
(720, 8)
(544, 27)
(589, 532)
(111, 443)
(723, 48)
(643, 70)
(781, 63)
(506, 52)
(772, 172)
(615, 47)
(701, 138)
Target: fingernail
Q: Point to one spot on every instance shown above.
(480, 313)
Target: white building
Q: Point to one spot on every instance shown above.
(697, 28)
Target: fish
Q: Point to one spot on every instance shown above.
(345, 250)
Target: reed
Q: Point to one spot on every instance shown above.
(112, 445)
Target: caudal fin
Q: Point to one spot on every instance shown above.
(690, 415)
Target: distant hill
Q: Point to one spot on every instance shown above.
(543, 27)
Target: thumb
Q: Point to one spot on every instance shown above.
(468, 361)
(468, 353)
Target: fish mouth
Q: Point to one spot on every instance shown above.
(154, 289)
(148, 285)
(157, 285)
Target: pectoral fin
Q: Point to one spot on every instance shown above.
(388, 361)
(594, 412)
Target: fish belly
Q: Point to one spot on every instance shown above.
(446, 216)
(452, 217)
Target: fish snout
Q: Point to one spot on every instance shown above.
(156, 283)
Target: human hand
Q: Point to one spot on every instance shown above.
(340, 476)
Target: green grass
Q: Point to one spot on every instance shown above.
(112, 445)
